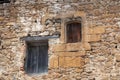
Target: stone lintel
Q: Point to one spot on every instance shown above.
(38, 38)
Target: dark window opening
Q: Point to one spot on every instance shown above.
(37, 57)
(74, 32)
(4, 1)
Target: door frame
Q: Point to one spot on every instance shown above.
(35, 43)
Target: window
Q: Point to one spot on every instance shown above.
(36, 60)
(4, 1)
(73, 32)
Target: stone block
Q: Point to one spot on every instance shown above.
(73, 62)
(6, 42)
(87, 46)
(118, 64)
(117, 37)
(59, 47)
(1, 18)
(105, 78)
(79, 13)
(108, 64)
(98, 30)
(62, 37)
(101, 59)
(10, 23)
(1, 26)
(53, 62)
(90, 31)
(74, 46)
(92, 38)
(70, 54)
(8, 34)
(118, 58)
(61, 61)
(78, 70)
(87, 60)
(71, 47)
(69, 62)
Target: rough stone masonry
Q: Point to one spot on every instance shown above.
(96, 57)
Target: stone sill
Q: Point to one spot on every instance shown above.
(71, 47)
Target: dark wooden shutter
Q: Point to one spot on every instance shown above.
(37, 58)
(4, 1)
(73, 32)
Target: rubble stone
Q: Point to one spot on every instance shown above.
(95, 57)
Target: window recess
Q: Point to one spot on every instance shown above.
(73, 32)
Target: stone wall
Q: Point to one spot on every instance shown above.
(96, 57)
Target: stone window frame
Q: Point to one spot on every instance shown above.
(80, 14)
(84, 43)
(23, 41)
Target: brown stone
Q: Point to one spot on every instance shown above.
(106, 78)
(65, 78)
(74, 46)
(10, 23)
(108, 64)
(94, 38)
(78, 70)
(87, 46)
(117, 37)
(69, 62)
(98, 30)
(1, 18)
(63, 34)
(79, 13)
(6, 42)
(118, 58)
(87, 60)
(9, 35)
(53, 62)
(61, 61)
(101, 58)
(90, 31)
(70, 54)
(114, 78)
(59, 47)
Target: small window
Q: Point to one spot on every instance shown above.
(4, 1)
(74, 33)
(36, 60)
